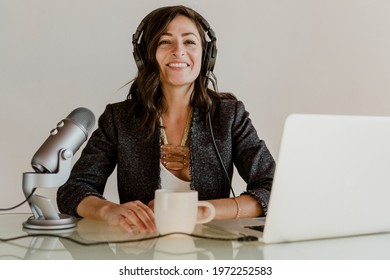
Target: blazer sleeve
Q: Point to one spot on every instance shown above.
(252, 158)
(96, 163)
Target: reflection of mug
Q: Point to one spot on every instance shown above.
(176, 211)
(175, 248)
(183, 248)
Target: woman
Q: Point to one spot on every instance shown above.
(171, 132)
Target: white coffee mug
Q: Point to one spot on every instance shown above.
(176, 211)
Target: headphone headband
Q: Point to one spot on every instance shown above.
(209, 52)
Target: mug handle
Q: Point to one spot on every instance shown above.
(212, 212)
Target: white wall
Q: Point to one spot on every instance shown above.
(278, 56)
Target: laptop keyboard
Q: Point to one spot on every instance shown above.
(257, 228)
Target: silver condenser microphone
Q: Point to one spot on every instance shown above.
(52, 165)
(69, 134)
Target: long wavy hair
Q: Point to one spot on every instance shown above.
(145, 89)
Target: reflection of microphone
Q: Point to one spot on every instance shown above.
(70, 134)
(52, 163)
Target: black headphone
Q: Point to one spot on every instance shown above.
(209, 52)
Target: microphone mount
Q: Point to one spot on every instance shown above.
(45, 215)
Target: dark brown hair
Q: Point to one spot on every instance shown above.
(145, 89)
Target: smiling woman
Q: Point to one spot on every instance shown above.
(172, 132)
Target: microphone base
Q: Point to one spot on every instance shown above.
(41, 223)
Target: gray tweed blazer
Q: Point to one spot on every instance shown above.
(115, 144)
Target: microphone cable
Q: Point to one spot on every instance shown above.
(20, 204)
(246, 238)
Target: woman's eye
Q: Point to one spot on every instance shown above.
(190, 42)
(163, 42)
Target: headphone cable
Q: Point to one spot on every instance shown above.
(209, 78)
(219, 157)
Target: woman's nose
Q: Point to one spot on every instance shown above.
(178, 49)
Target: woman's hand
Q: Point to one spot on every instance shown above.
(133, 216)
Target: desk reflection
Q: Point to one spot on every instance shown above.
(367, 247)
(179, 247)
(169, 247)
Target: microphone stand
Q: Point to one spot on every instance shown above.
(45, 215)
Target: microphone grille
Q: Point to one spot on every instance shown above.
(83, 117)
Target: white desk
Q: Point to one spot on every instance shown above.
(177, 248)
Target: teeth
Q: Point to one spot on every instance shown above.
(181, 65)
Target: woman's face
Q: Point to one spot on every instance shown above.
(179, 53)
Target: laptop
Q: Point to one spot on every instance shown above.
(332, 179)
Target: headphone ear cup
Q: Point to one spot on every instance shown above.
(209, 57)
(137, 57)
(139, 61)
(205, 57)
(212, 56)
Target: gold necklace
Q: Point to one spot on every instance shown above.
(175, 157)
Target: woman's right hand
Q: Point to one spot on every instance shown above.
(133, 216)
